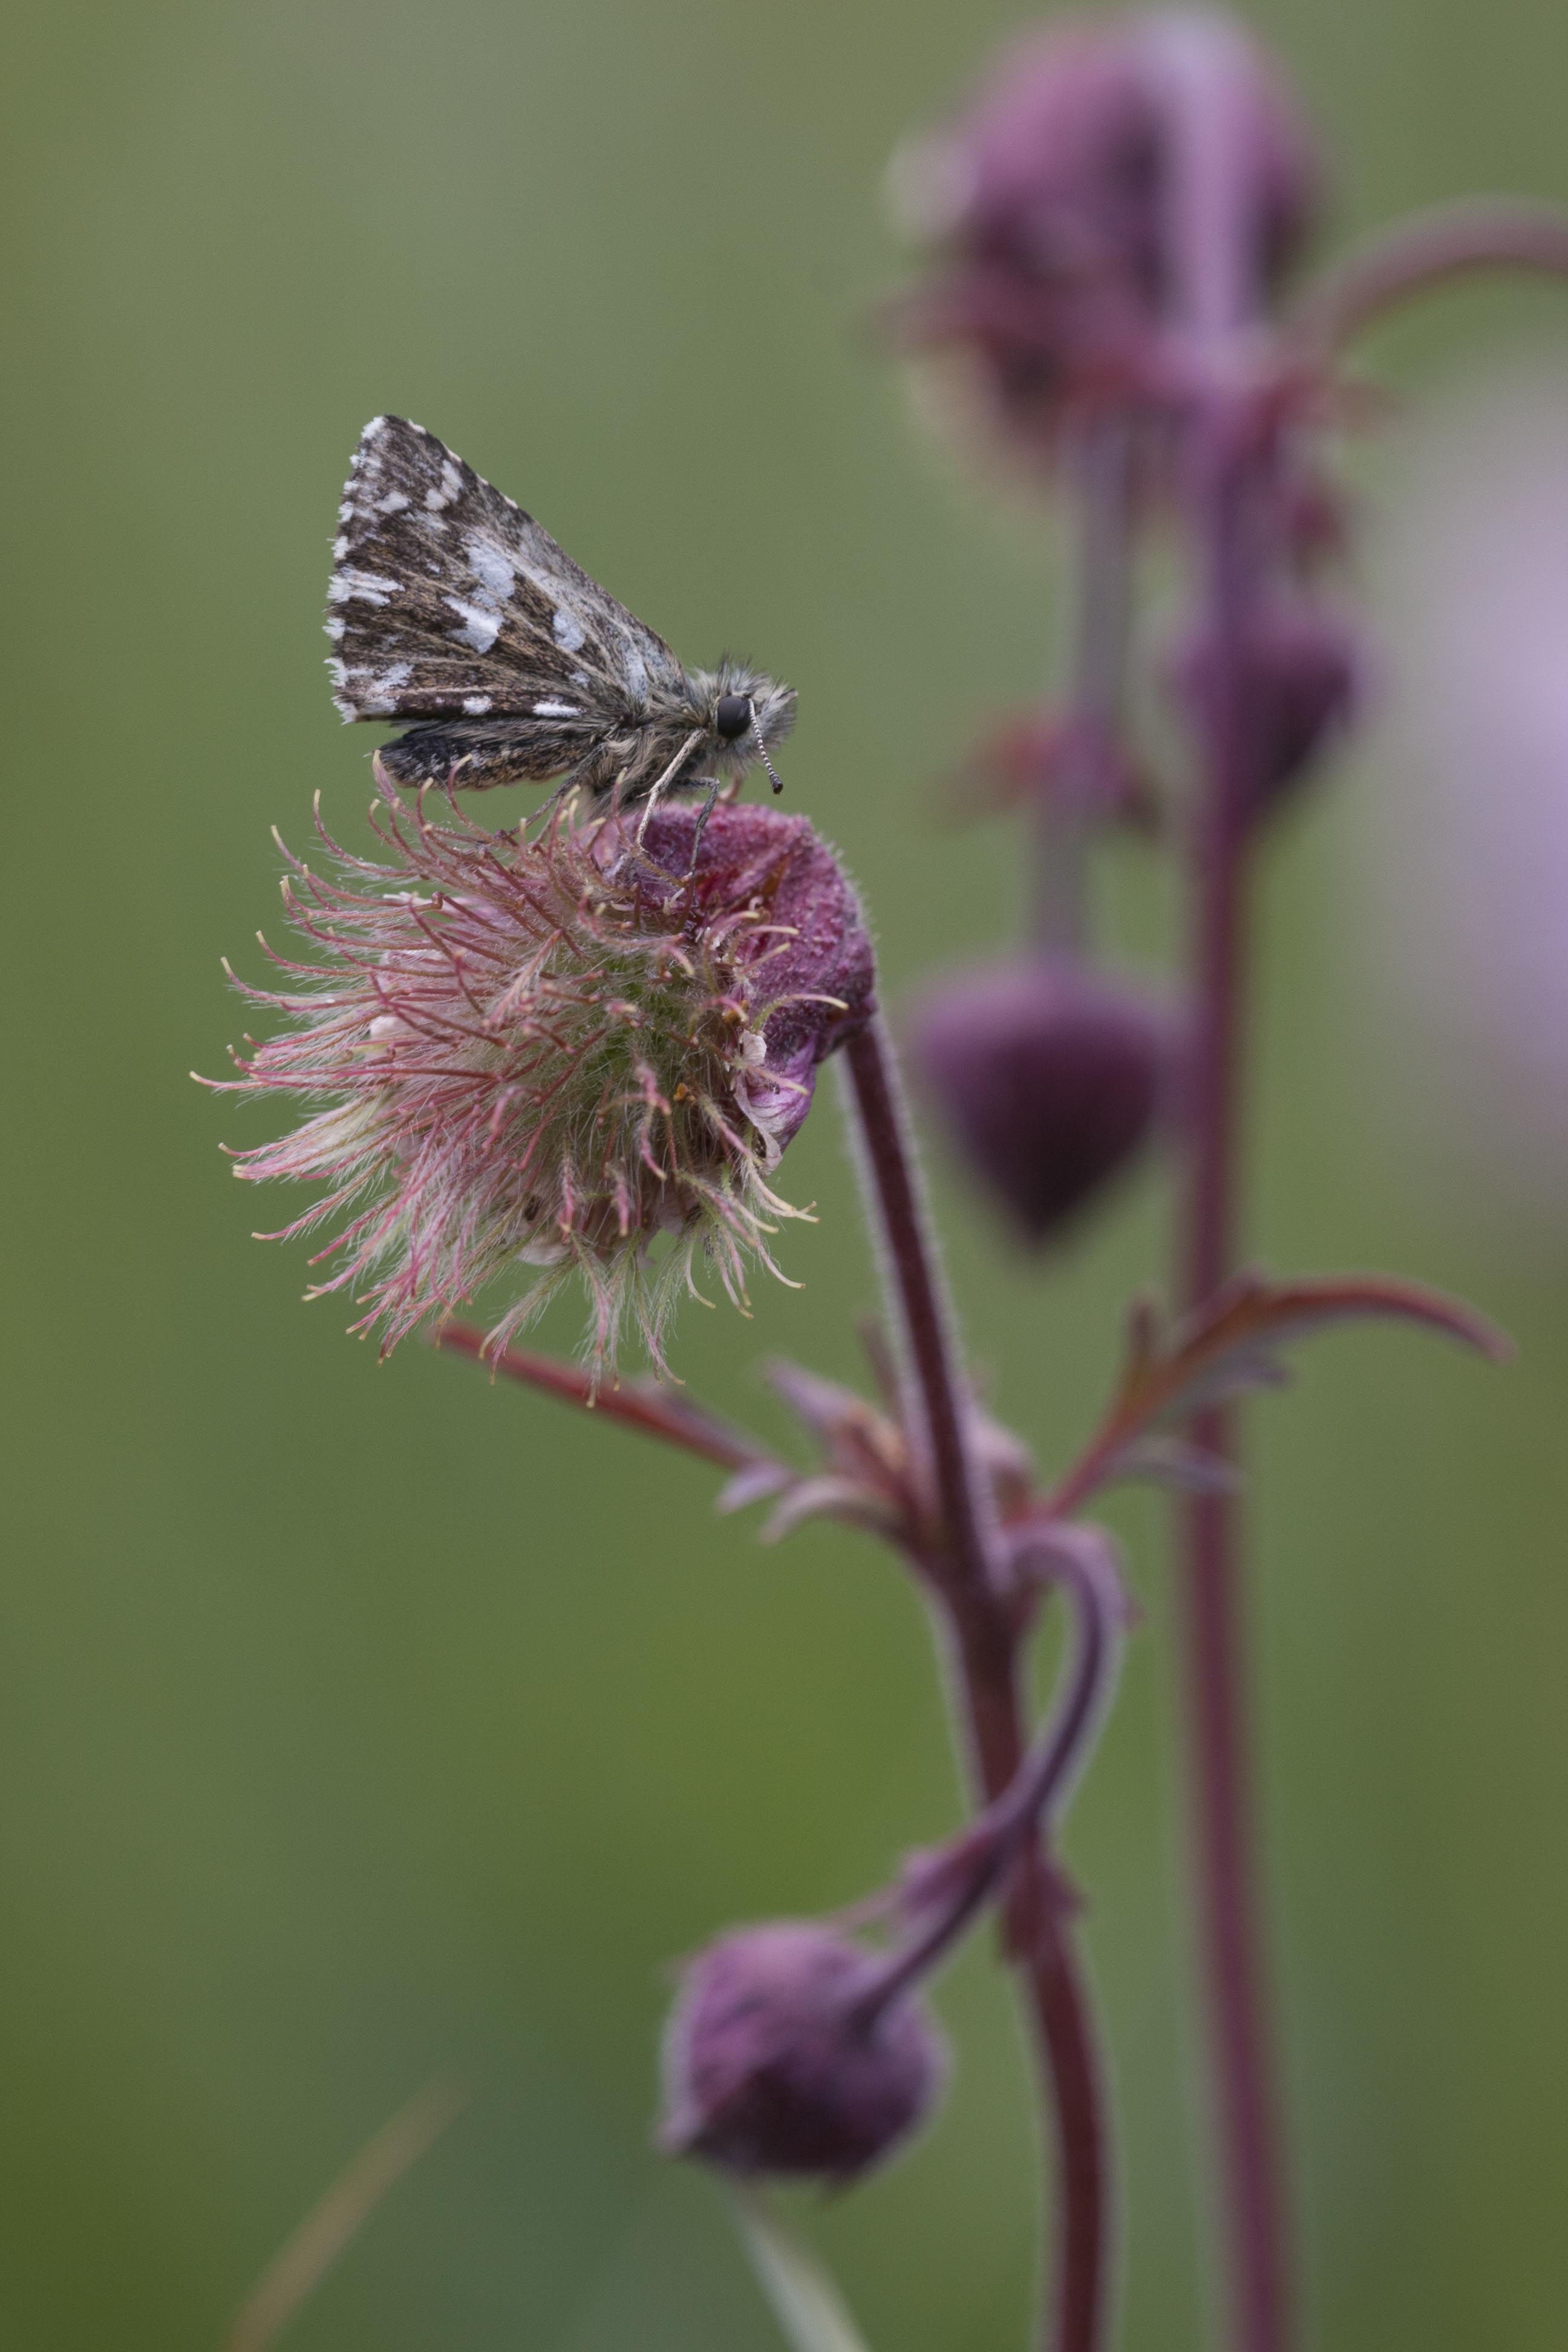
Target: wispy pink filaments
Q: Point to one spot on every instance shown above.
(549, 1053)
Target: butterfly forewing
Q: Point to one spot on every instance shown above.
(448, 602)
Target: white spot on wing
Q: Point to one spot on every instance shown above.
(476, 705)
(556, 710)
(368, 587)
(380, 701)
(335, 671)
(392, 503)
(334, 627)
(339, 547)
(490, 568)
(446, 490)
(480, 629)
(567, 629)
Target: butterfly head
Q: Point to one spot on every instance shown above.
(745, 714)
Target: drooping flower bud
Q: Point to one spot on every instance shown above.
(551, 1052)
(1294, 673)
(770, 2068)
(1049, 206)
(1050, 1074)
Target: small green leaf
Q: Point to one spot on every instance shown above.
(805, 2303)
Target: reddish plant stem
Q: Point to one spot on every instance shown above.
(638, 1404)
(1421, 254)
(1102, 475)
(915, 1285)
(1226, 478)
(1092, 1586)
(984, 1630)
(1214, 1650)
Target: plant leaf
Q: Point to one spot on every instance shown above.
(805, 2303)
(1233, 1344)
(1163, 1461)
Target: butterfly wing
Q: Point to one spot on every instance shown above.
(448, 602)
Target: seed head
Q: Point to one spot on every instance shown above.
(769, 2067)
(550, 1054)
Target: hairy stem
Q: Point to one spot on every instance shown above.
(914, 1284)
(984, 1637)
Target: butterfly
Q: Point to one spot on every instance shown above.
(451, 607)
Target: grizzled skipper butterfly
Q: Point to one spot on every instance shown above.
(452, 607)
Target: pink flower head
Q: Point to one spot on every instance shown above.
(771, 2064)
(550, 1052)
(1050, 206)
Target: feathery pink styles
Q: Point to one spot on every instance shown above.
(550, 1052)
(770, 2067)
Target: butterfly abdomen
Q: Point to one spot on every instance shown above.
(477, 752)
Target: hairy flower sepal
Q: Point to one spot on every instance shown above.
(550, 1054)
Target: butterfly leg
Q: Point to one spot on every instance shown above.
(662, 786)
(704, 813)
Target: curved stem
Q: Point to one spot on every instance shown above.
(1038, 1791)
(1061, 2024)
(1422, 253)
(979, 1618)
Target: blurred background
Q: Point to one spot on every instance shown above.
(356, 1721)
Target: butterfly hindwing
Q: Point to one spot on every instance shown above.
(448, 602)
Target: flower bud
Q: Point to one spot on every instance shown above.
(554, 1053)
(1050, 1074)
(1296, 679)
(769, 2068)
(1051, 205)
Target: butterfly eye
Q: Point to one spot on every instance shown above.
(733, 715)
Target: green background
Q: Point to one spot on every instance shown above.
(354, 1721)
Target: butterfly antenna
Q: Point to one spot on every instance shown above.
(763, 753)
